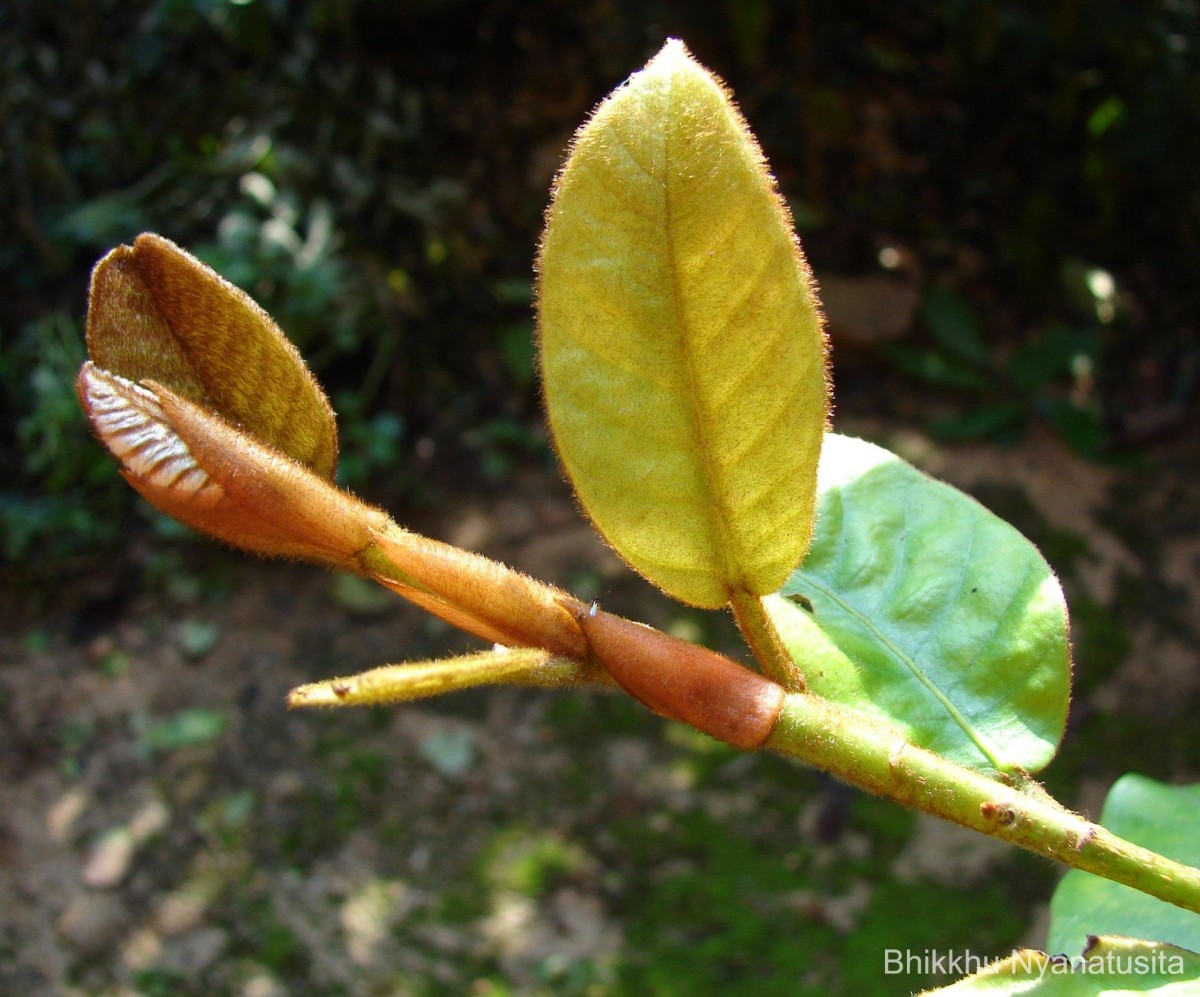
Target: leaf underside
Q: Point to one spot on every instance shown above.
(682, 350)
(930, 611)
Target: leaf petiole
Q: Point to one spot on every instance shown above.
(760, 633)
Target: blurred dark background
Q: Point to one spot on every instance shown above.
(1001, 201)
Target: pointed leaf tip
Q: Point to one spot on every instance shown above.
(682, 348)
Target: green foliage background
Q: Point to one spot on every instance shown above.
(375, 173)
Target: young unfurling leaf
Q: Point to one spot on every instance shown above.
(193, 465)
(155, 313)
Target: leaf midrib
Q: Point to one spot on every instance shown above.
(898, 653)
(722, 516)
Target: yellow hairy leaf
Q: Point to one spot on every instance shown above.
(156, 313)
(682, 348)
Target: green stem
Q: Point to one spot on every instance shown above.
(413, 680)
(867, 753)
(759, 630)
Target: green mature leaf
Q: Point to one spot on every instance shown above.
(1108, 966)
(995, 421)
(938, 368)
(1080, 427)
(682, 349)
(1054, 354)
(929, 611)
(1163, 818)
(955, 325)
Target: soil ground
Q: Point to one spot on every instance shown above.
(167, 827)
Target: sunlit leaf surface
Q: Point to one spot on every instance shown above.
(929, 610)
(682, 351)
